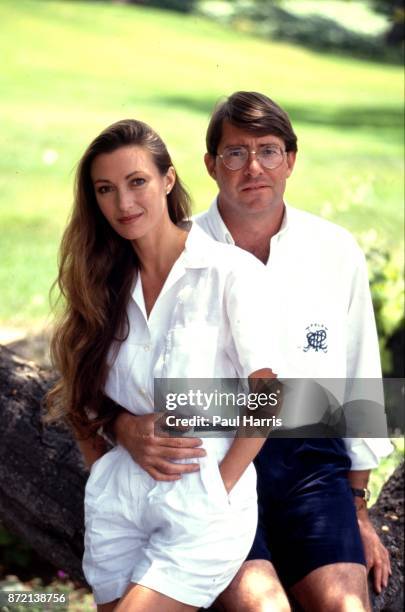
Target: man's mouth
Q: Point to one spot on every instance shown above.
(255, 187)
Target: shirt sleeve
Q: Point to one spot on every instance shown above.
(363, 362)
(247, 296)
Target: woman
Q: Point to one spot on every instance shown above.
(147, 297)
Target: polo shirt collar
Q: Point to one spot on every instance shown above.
(222, 234)
(217, 227)
(198, 251)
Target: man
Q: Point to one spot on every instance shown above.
(309, 535)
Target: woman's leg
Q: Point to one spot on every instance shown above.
(139, 599)
(108, 607)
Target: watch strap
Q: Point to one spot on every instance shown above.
(362, 493)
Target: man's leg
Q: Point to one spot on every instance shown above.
(255, 588)
(311, 524)
(339, 587)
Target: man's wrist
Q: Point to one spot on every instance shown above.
(105, 432)
(361, 506)
(361, 493)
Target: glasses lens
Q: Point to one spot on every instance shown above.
(235, 158)
(270, 156)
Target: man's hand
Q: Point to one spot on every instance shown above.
(156, 455)
(377, 556)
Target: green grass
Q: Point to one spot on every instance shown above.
(387, 465)
(71, 68)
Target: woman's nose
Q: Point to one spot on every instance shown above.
(125, 199)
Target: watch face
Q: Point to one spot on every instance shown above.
(367, 495)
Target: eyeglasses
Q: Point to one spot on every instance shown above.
(269, 156)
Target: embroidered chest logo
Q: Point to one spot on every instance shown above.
(317, 338)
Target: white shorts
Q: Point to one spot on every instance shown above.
(185, 539)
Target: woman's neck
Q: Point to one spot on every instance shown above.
(158, 250)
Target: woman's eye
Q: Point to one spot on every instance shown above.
(138, 182)
(103, 189)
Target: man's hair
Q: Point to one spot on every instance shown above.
(253, 112)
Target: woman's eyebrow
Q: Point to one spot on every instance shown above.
(133, 172)
(102, 180)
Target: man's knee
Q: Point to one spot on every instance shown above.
(339, 587)
(255, 588)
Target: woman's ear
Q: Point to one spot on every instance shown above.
(170, 179)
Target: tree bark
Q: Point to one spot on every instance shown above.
(42, 480)
(42, 476)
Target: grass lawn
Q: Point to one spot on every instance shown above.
(71, 68)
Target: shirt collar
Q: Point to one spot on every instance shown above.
(222, 233)
(198, 248)
(197, 253)
(217, 225)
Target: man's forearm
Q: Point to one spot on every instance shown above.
(358, 479)
(92, 449)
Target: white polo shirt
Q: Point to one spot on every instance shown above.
(321, 311)
(209, 321)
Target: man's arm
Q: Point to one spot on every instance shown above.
(376, 554)
(363, 362)
(155, 454)
(91, 448)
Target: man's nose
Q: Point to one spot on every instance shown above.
(253, 166)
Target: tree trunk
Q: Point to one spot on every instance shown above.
(42, 480)
(42, 476)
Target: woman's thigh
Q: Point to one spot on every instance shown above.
(139, 598)
(108, 607)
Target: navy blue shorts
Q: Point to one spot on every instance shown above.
(307, 518)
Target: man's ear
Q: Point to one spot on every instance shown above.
(210, 165)
(291, 157)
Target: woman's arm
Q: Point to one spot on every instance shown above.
(244, 449)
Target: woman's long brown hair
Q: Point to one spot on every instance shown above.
(96, 272)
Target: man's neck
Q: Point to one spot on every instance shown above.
(254, 232)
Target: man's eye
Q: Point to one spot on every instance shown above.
(269, 151)
(235, 152)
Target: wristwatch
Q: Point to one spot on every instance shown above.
(363, 493)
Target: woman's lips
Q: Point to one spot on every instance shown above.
(129, 219)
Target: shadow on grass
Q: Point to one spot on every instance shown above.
(376, 117)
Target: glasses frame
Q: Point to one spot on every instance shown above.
(255, 153)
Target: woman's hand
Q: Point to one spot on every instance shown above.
(156, 454)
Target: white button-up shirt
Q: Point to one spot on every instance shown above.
(321, 311)
(210, 320)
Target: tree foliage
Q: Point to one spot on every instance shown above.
(181, 6)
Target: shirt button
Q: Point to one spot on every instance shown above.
(143, 391)
(146, 347)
